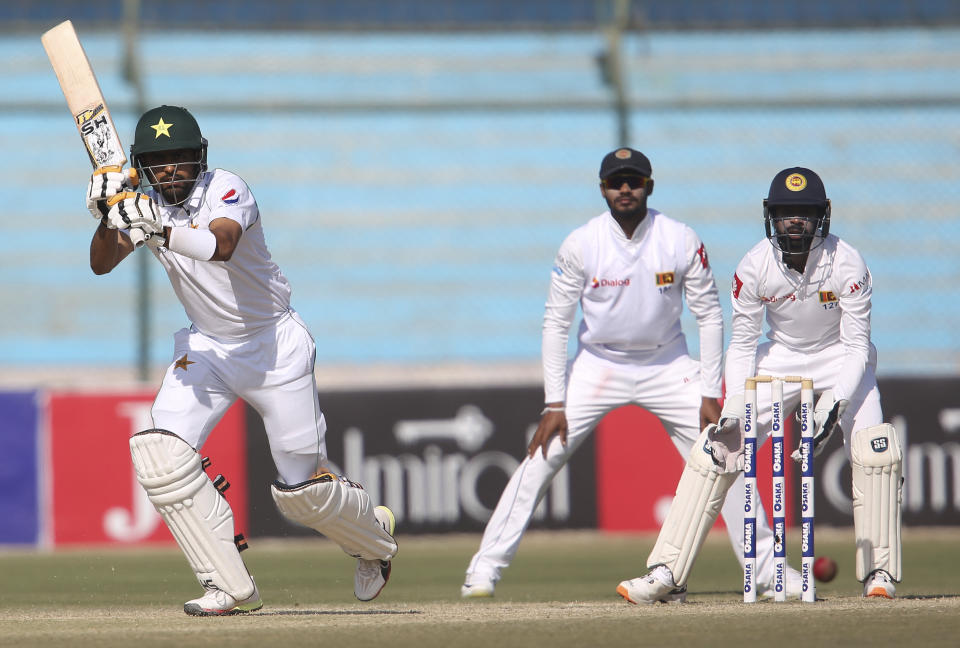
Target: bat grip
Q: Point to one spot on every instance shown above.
(132, 177)
(137, 236)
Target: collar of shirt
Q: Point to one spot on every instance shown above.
(813, 259)
(815, 271)
(199, 191)
(638, 233)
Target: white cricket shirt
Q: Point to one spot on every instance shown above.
(631, 294)
(828, 306)
(227, 300)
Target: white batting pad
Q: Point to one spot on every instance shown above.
(877, 463)
(339, 509)
(700, 495)
(196, 513)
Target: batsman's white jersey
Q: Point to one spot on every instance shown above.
(233, 299)
(819, 327)
(631, 351)
(244, 339)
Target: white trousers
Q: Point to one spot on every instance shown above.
(272, 371)
(671, 392)
(823, 367)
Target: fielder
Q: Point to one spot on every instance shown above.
(628, 270)
(815, 291)
(244, 341)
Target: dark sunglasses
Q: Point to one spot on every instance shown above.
(632, 181)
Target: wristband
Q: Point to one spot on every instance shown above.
(199, 244)
(553, 409)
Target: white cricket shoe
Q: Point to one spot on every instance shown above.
(794, 585)
(216, 602)
(655, 587)
(372, 575)
(477, 587)
(879, 585)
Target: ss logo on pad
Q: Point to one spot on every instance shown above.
(879, 444)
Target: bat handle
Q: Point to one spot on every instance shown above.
(132, 176)
(137, 236)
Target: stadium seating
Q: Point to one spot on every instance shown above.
(414, 188)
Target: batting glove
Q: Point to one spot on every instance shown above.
(134, 210)
(105, 183)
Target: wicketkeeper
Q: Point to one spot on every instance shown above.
(815, 291)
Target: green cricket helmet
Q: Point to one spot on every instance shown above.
(167, 128)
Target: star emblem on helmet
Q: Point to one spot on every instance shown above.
(161, 128)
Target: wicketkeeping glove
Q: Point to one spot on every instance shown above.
(104, 184)
(826, 419)
(725, 439)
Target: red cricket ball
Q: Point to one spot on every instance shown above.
(824, 569)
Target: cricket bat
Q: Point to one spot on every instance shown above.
(87, 105)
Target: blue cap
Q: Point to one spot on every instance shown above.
(625, 159)
(797, 186)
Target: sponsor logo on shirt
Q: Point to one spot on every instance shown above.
(616, 283)
(702, 253)
(561, 264)
(862, 283)
(230, 198)
(779, 298)
(737, 286)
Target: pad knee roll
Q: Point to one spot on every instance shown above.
(696, 505)
(198, 516)
(877, 466)
(340, 510)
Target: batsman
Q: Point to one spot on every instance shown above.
(244, 341)
(815, 291)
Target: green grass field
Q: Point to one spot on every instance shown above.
(559, 592)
